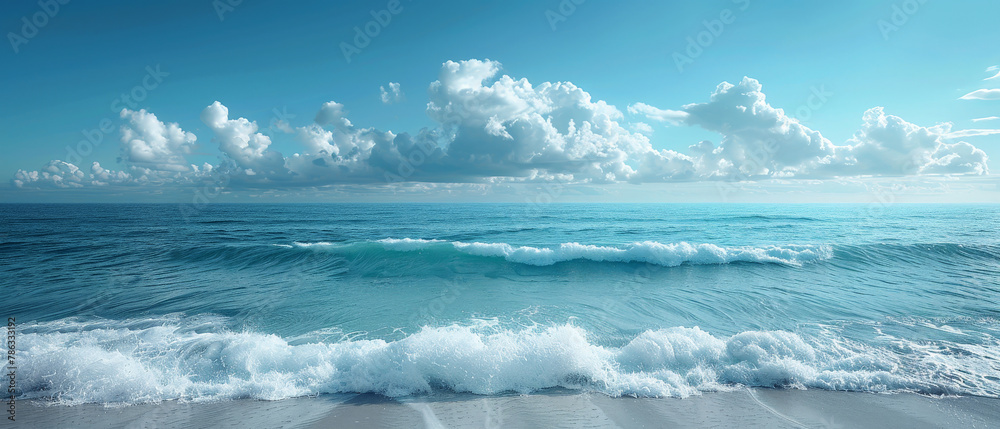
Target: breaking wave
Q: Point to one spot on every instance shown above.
(155, 359)
(669, 255)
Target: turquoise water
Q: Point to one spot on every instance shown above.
(138, 303)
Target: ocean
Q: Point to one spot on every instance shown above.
(129, 304)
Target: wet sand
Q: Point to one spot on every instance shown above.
(746, 408)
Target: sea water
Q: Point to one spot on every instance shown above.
(143, 303)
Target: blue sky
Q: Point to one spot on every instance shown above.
(484, 137)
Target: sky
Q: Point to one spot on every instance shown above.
(530, 101)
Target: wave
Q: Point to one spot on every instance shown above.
(770, 218)
(651, 252)
(380, 254)
(151, 360)
(941, 252)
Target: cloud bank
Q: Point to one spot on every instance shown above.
(493, 128)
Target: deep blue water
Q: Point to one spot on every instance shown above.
(134, 303)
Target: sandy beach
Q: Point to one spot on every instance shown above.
(746, 408)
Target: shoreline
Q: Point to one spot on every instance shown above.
(757, 407)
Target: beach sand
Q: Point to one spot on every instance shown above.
(746, 408)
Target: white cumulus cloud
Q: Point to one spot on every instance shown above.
(391, 95)
(492, 128)
(240, 141)
(150, 143)
(889, 145)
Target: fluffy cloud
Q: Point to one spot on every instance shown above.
(494, 128)
(392, 95)
(55, 174)
(147, 142)
(761, 141)
(888, 145)
(332, 113)
(757, 139)
(61, 174)
(343, 154)
(100, 176)
(240, 141)
(507, 127)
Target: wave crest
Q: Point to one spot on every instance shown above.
(669, 254)
(132, 362)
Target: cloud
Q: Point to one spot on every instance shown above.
(100, 176)
(343, 154)
(147, 142)
(641, 128)
(332, 113)
(61, 174)
(989, 118)
(55, 174)
(982, 94)
(993, 69)
(758, 140)
(672, 116)
(972, 133)
(501, 126)
(888, 145)
(240, 141)
(318, 141)
(392, 95)
(491, 128)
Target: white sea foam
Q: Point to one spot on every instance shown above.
(671, 254)
(316, 244)
(407, 244)
(153, 360)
